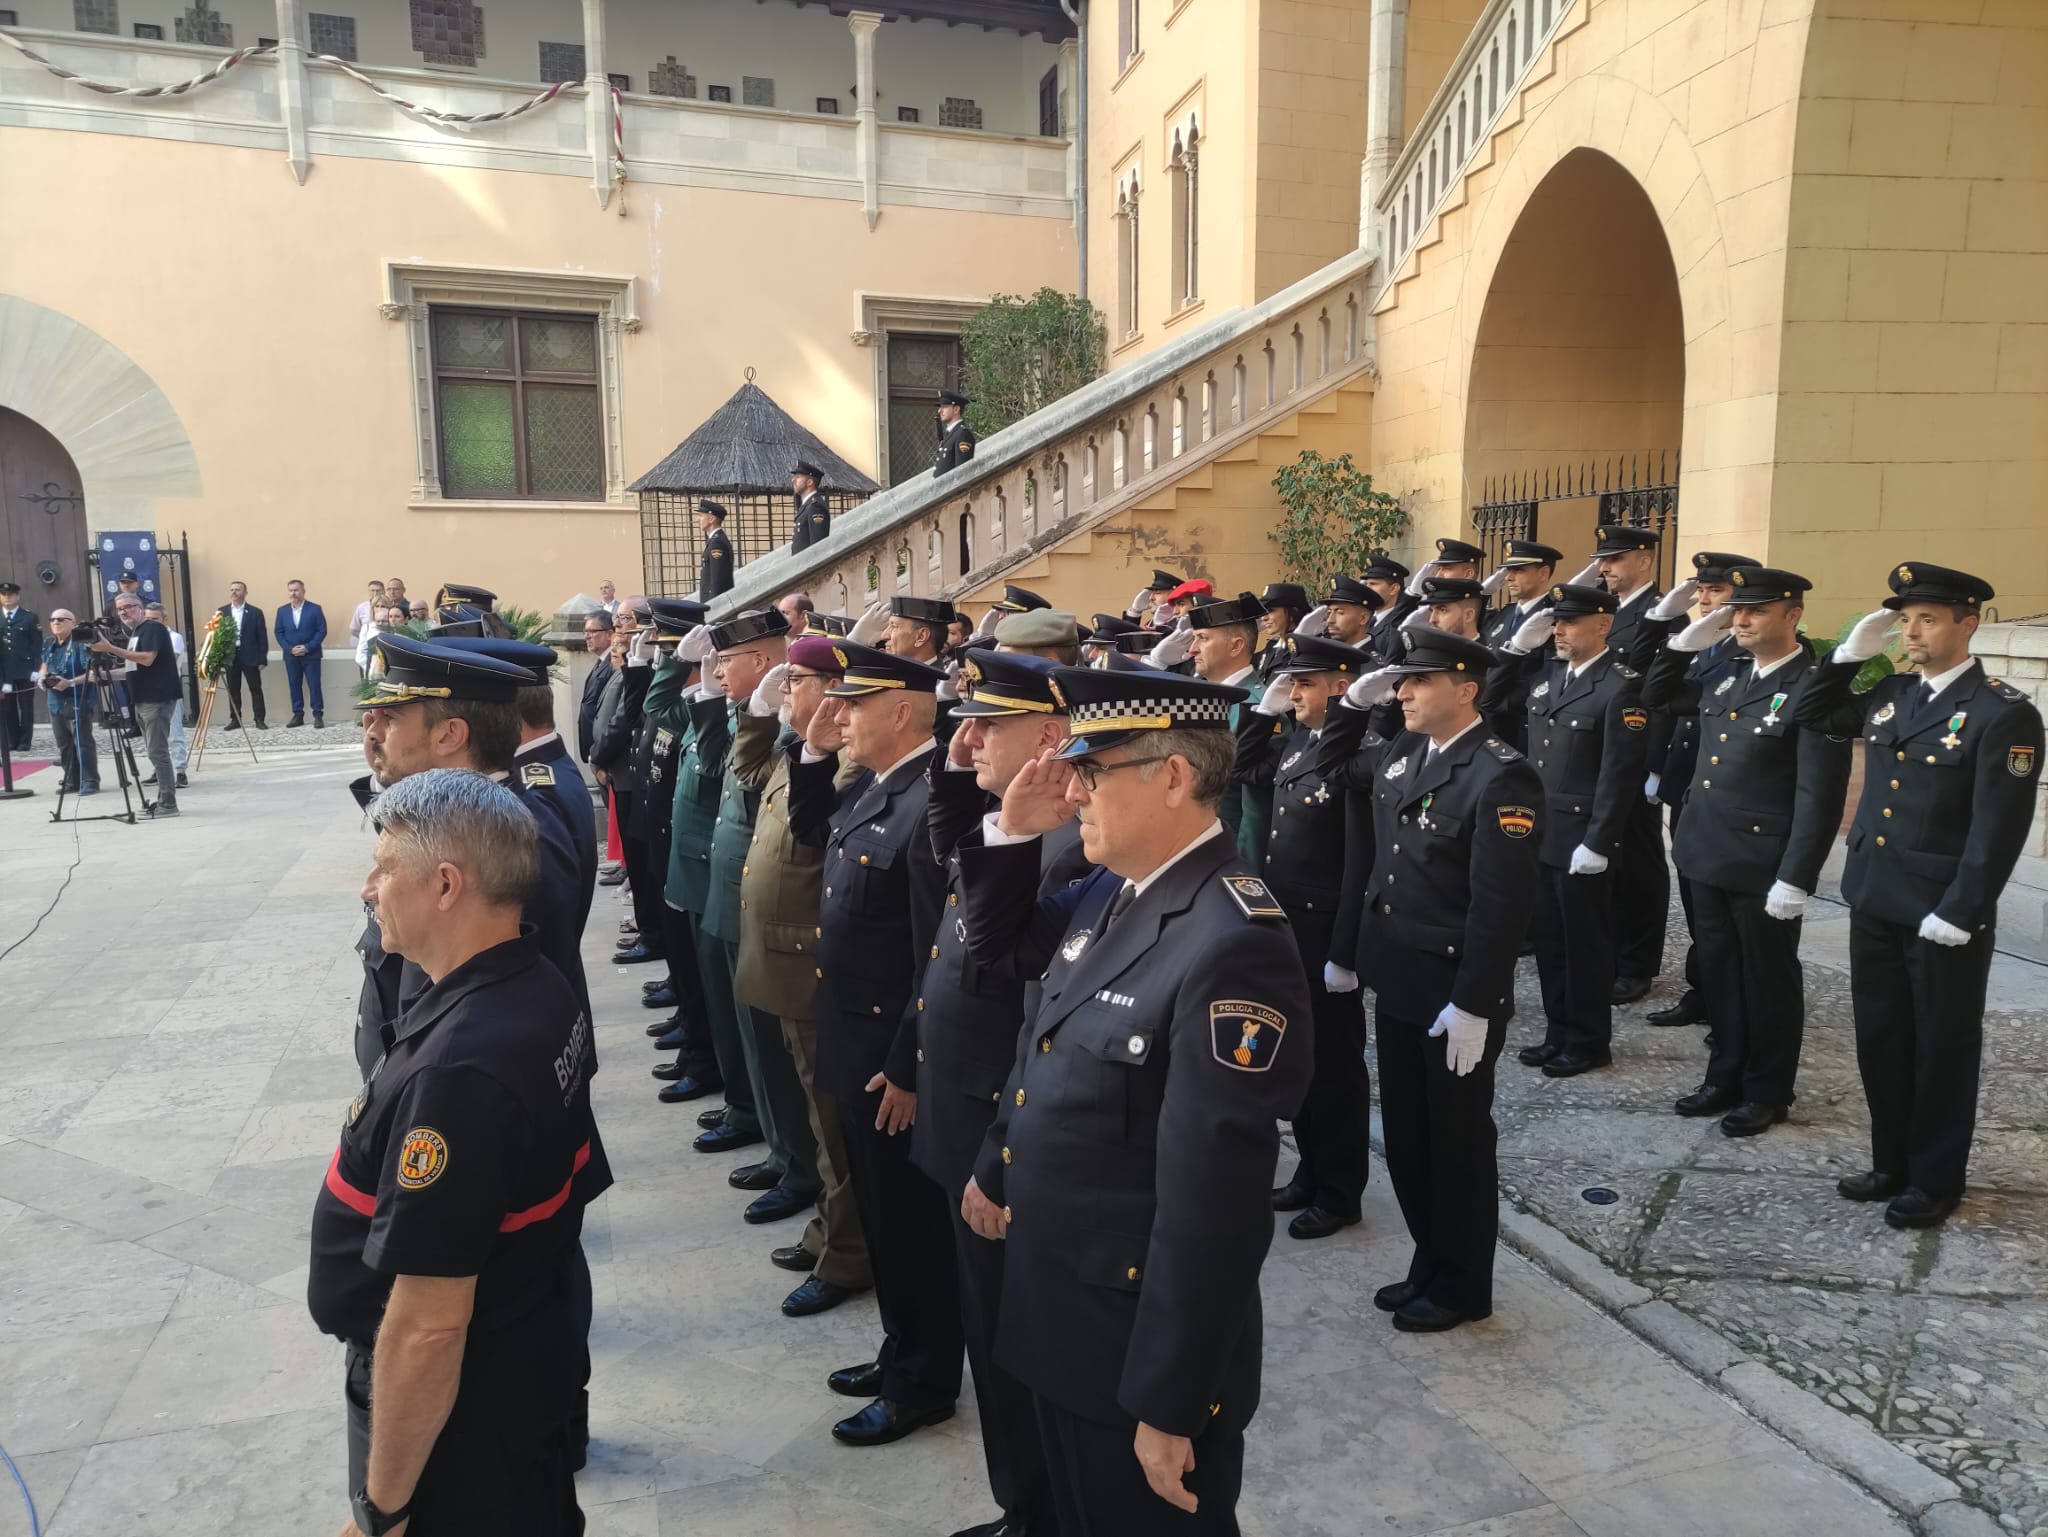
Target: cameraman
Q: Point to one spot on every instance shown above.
(152, 688)
(71, 704)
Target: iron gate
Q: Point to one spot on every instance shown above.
(175, 586)
(1639, 491)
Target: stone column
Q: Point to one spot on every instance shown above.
(597, 105)
(291, 87)
(1386, 85)
(866, 131)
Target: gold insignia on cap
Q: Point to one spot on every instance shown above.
(1906, 574)
(839, 657)
(1058, 698)
(973, 671)
(1735, 577)
(1292, 648)
(1556, 592)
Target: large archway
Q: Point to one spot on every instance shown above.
(1579, 358)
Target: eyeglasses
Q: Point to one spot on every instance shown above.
(793, 676)
(1090, 772)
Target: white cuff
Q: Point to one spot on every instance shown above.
(994, 837)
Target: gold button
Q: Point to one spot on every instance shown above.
(1731, 715)
(863, 859)
(1902, 757)
(935, 952)
(1131, 1274)
(817, 933)
(1880, 840)
(1887, 811)
(1006, 1155)
(1715, 759)
(1895, 784)
(1930, 757)
(920, 1007)
(1020, 1096)
(874, 1008)
(952, 899)
(1044, 1045)
(821, 972)
(1724, 736)
(1006, 1214)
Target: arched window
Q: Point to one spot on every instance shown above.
(1059, 488)
(1184, 177)
(1091, 463)
(998, 519)
(1461, 128)
(1208, 427)
(1149, 441)
(1528, 29)
(1432, 177)
(1511, 44)
(1119, 448)
(1177, 440)
(1350, 328)
(1127, 255)
(1493, 81)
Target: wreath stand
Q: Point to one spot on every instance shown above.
(206, 715)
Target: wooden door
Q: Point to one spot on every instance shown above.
(42, 519)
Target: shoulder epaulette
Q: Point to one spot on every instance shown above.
(540, 775)
(1623, 670)
(1505, 751)
(1252, 897)
(2006, 691)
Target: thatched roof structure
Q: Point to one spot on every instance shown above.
(745, 448)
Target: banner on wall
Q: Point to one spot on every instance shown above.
(121, 552)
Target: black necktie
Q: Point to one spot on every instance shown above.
(1124, 898)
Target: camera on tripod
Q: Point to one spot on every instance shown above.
(86, 631)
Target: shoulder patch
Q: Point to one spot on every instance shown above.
(2019, 762)
(539, 775)
(1252, 897)
(1245, 1036)
(422, 1155)
(1635, 719)
(1516, 821)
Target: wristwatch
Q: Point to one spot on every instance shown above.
(371, 1521)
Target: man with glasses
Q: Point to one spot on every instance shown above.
(1129, 1170)
(152, 689)
(597, 640)
(71, 704)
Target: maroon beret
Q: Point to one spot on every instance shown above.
(815, 653)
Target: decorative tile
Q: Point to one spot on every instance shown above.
(829, 105)
(720, 93)
(619, 82)
(202, 24)
(145, 31)
(447, 31)
(96, 15)
(757, 91)
(334, 35)
(561, 63)
(959, 112)
(669, 78)
(907, 115)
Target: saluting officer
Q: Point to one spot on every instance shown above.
(1222, 642)
(1526, 575)
(1455, 604)
(1445, 876)
(1304, 869)
(1129, 1171)
(1951, 771)
(714, 569)
(1588, 731)
(956, 438)
(1350, 612)
(813, 512)
(1386, 579)
(1104, 631)
(445, 1246)
(1284, 605)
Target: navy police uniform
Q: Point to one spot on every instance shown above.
(1640, 878)
(1247, 808)
(813, 512)
(21, 650)
(956, 443)
(714, 569)
(1498, 627)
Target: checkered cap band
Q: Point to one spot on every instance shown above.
(1148, 714)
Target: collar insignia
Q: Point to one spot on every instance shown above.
(1397, 768)
(1885, 714)
(1072, 949)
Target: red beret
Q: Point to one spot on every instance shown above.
(815, 653)
(1200, 587)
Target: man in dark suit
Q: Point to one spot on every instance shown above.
(714, 570)
(1627, 557)
(956, 438)
(597, 638)
(252, 650)
(21, 650)
(301, 629)
(813, 512)
(1951, 774)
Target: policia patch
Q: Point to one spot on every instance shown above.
(1245, 1036)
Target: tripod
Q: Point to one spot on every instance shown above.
(114, 722)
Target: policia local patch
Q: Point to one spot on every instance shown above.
(1245, 1036)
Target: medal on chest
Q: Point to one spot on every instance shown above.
(1771, 719)
(1955, 724)
(1422, 817)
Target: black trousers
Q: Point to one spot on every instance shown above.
(237, 672)
(1572, 929)
(1440, 1155)
(1756, 1005)
(1333, 1129)
(698, 1059)
(1919, 1037)
(647, 875)
(1642, 892)
(18, 714)
(1692, 948)
(910, 1248)
(1009, 1425)
(1099, 1487)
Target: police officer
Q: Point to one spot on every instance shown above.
(1129, 1171)
(1675, 690)
(1224, 640)
(21, 649)
(445, 1245)
(880, 907)
(1144, 610)
(714, 567)
(1762, 812)
(1455, 604)
(1015, 600)
(1283, 605)
(1951, 773)
(1588, 732)
(967, 1024)
(1303, 867)
(1104, 631)
(1349, 612)
(956, 438)
(1526, 574)
(462, 608)
(1627, 557)
(1446, 877)
(813, 512)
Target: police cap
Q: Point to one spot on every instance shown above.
(869, 671)
(832, 624)
(1005, 683)
(805, 467)
(1917, 582)
(1384, 568)
(1286, 595)
(1441, 591)
(1750, 585)
(405, 669)
(520, 653)
(1350, 589)
(1108, 707)
(715, 509)
(1714, 565)
(1318, 653)
(1620, 538)
(1242, 609)
(1527, 552)
(1431, 650)
(1015, 600)
(675, 617)
(1569, 602)
(952, 398)
(1452, 552)
(1105, 628)
(756, 625)
(1162, 581)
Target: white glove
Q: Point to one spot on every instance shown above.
(1650, 787)
(640, 649)
(767, 699)
(1703, 632)
(1315, 622)
(949, 686)
(1586, 862)
(1418, 618)
(1337, 980)
(989, 621)
(1375, 688)
(1173, 650)
(867, 630)
(1467, 1043)
(1675, 602)
(1942, 932)
(1588, 576)
(1871, 637)
(1142, 605)
(710, 688)
(1278, 698)
(695, 646)
(1532, 632)
(1786, 900)
(1428, 570)
(1492, 584)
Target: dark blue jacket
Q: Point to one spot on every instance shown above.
(252, 641)
(309, 631)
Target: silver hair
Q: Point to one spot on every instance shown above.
(466, 819)
(1210, 754)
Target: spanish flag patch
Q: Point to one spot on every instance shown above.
(1516, 821)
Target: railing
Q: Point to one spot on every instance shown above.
(1088, 456)
(1502, 49)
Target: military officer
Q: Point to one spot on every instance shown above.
(1223, 639)
(1446, 877)
(1129, 1171)
(1527, 572)
(883, 894)
(1952, 771)
(1104, 631)
(1283, 606)
(1303, 867)
(813, 512)
(956, 438)
(1676, 691)
(445, 1244)
(1588, 732)
(714, 568)
(1015, 600)
(1762, 812)
(1455, 558)
(1349, 610)
(1455, 604)
(916, 627)
(1144, 610)
(21, 650)
(1386, 579)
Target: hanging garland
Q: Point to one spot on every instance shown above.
(461, 122)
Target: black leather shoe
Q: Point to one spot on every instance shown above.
(1708, 1100)
(1537, 1055)
(1421, 1316)
(296, 720)
(667, 1070)
(1914, 1207)
(1876, 1185)
(1751, 1119)
(863, 1381)
(793, 1257)
(1319, 1222)
(777, 1204)
(725, 1139)
(1686, 1011)
(670, 1039)
(1629, 989)
(883, 1421)
(661, 1027)
(233, 725)
(814, 1296)
(751, 1176)
(658, 982)
(715, 1116)
(1569, 1064)
(634, 954)
(319, 722)
(683, 1090)
(616, 878)
(1395, 1296)
(1291, 1197)
(663, 997)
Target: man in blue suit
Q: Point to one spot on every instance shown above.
(300, 628)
